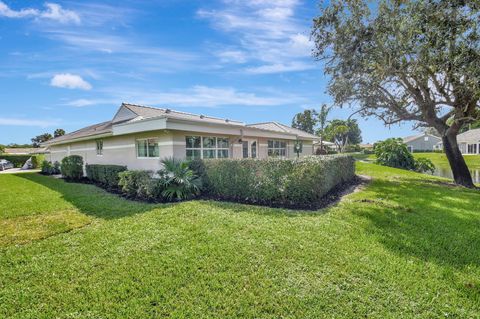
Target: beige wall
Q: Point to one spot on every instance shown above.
(121, 150)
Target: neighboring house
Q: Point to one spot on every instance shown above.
(24, 151)
(469, 141)
(422, 142)
(138, 136)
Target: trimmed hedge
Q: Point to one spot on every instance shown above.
(280, 182)
(105, 175)
(141, 185)
(50, 169)
(72, 167)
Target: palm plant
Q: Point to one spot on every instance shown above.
(179, 180)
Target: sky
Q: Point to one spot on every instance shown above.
(70, 64)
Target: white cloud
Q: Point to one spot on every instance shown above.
(267, 33)
(52, 11)
(279, 67)
(27, 122)
(196, 96)
(55, 12)
(70, 81)
(232, 56)
(5, 11)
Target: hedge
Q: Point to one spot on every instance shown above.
(141, 185)
(17, 160)
(105, 175)
(277, 182)
(72, 167)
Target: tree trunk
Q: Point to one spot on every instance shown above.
(461, 173)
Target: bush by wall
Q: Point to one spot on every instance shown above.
(293, 183)
(105, 175)
(17, 160)
(47, 168)
(141, 185)
(72, 167)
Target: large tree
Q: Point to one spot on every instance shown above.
(306, 121)
(39, 139)
(406, 61)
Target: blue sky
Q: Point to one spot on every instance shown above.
(67, 64)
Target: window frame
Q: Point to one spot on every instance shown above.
(216, 148)
(278, 148)
(147, 139)
(99, 150)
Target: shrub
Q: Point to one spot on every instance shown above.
(141, 185)
(180, 181)
(105, 175)
(37, 160)
(394, 153)
(424, 165)
(299, 182)
(17, 160)
(72, 167)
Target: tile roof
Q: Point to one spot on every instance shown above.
(96, 129)
(469, 136)
(145, 112)
(279, 127)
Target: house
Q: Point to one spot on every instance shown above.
(469, 141)
(422, 142)
(138, 136)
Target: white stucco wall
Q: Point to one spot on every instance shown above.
(121, 150)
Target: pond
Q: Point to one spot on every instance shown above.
(445, 171)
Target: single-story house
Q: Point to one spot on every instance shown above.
(139, 136)
(422, 142)
(468, 142)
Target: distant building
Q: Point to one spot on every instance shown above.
(422, 142)
(468, 142)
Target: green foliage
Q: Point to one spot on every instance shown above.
(17, 160)
(306, 121)
(343, 133)
(394, 153)
(48, 169)
(179, 180)
(37, 160)
(39, 139)
(299, 182)
(105, 175)
(2, 148)
(141, 185)
(58, 132)
(72, 167)
(424, 165)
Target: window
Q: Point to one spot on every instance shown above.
(277, 148)
(148, 148)
(426, 138)
(206, 147)
(99, 147)
(472, 149)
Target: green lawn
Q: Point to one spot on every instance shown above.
(406, 246)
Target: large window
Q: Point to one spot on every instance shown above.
(99, 147)
(206, 147)
(148, 148)
(277, 148)
(472, 149)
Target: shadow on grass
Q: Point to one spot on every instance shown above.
(425, 220)
(92, 200)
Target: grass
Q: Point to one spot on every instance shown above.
(405, 246)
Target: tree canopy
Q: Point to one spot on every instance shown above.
(306, 121)
(343, 132)
(406, 61)
(58, 132)
(39, 139)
